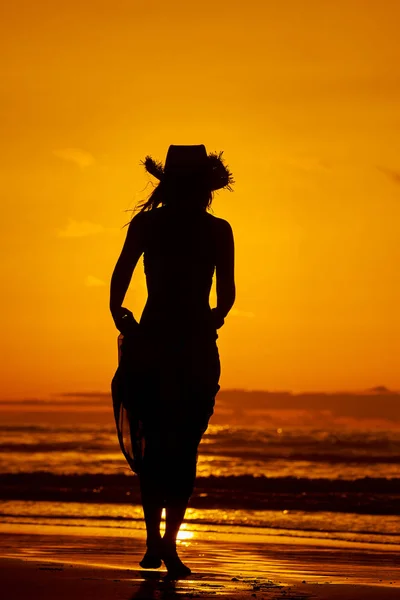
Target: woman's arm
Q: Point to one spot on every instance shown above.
(225, 272)
(126, 263)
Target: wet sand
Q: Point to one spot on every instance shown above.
(48, 562)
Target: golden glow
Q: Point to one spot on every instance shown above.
(185, 533)
(302, 98)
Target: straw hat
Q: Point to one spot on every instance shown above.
(191, 161)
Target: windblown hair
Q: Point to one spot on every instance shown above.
(185, 189)
(180, 193)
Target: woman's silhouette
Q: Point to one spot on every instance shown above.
(167, 379)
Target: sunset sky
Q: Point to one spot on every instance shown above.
(303, 97)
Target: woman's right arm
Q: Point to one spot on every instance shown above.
(225, 271)
(122, 274)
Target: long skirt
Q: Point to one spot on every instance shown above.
(163, 395)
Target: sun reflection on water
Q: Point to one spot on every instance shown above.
(185, 533)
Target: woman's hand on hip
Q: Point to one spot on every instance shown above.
(218, 319)
(124, 320)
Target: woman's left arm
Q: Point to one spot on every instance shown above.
(126, 263)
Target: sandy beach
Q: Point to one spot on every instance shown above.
(43, 562)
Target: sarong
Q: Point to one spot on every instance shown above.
(164, 389)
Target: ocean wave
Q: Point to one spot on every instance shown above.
(261, 521)
(327, 525)
(246, 483)
(365, 496)
(262, 454)
(276, 455)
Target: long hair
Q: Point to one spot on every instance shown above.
(180, 192)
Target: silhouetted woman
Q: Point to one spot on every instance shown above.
(167, 379)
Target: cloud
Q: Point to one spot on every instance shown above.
(391, 173)
(80, 229)
(235, 312)
(92, 281)
(76, 155)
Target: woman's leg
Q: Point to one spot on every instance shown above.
(151, 488)
(179, 488)
(175, 514)
(152, 509)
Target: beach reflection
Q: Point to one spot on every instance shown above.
(231, 568)
(186, 532)
(122, 520)
(158, 585)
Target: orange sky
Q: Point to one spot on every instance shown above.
(303, 97)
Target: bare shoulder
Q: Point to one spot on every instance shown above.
(221, 226)
(140, 222)
(138, 230)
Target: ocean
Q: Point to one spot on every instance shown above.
(341, 485)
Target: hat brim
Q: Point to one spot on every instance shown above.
(215, 170)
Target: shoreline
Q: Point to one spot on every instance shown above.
(369, 532)
(53, 563)
(243, 536)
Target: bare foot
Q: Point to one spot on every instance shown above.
(152, 557)
(175, 567)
